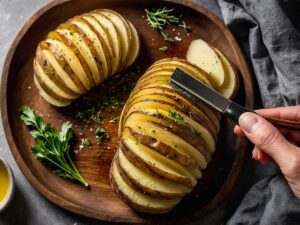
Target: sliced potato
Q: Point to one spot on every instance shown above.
(113, 37)
(137, 200)
(156, 162)
(135, 45)
(199, 107)
(103, 57)
(171, 152)
(153, 185)
(72, 60)
(163, 107)
(72, 82)
(124, 31)
(84, 50)
(231, 82)
(203, 55)
(47, 97)
(198, 116)
(47, 84)
(187, 67)
(155, 128)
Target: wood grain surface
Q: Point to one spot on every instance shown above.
(99, 201)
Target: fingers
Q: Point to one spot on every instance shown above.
(286, 113)
(260, 156)
(267, 138)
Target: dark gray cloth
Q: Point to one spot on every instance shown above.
(272, 43)
(268, 32)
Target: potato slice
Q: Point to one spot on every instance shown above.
(113, 37)
(153, 185)
(124, 31)
(171, 152)
(199, 107)
(99, 46)
(189, 68)
(156, 162)
(231, 82)
(203, 55)
(162, 106)
(47, 97)
(198, 116)
(84, 50)
(47, 84)
(153, 127)
(72, 60)
(135, 45)
(70, 82)
(137, 200)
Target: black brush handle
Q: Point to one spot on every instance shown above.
(234, 111)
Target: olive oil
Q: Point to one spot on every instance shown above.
(4, 182)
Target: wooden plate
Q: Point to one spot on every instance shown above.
(100, 201)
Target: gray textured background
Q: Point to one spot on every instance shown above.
(28, 206)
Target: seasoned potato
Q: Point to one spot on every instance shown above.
(166, 139)
(81, 53)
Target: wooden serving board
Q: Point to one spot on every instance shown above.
(99, 201)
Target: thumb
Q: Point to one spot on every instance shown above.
(267, 138)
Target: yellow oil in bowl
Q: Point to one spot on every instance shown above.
(4, 182)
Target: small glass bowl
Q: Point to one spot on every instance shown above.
(11, 189)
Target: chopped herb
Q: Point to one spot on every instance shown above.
(116, 102)
(102, 135)
(115, 120)
(175, 115)
(185, 27)
(86, 142)
(52, 147)
(90, 115)
(152, 121)
(163, 48)
(166, 37)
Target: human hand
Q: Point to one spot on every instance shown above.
(271, 143)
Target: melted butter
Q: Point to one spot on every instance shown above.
(4, 182)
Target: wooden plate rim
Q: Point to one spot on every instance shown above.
(66, 204)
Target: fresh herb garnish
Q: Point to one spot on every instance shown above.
(86, 142)
(115, 119)
(185, 27)
(163, 48)
(102, 135)
(90, 115)
(159, 18)
(180, 120)
(52, 147)
(176, 116)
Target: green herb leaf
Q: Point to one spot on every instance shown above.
(102, 135)
(163, 48)
(86, 142)
(52, 147)
(185, 27)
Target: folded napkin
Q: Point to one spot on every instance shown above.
(268, 32)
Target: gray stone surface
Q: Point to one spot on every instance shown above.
(28, 206)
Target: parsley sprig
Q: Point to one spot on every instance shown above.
(52, 147)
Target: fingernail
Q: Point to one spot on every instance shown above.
(247, 121)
